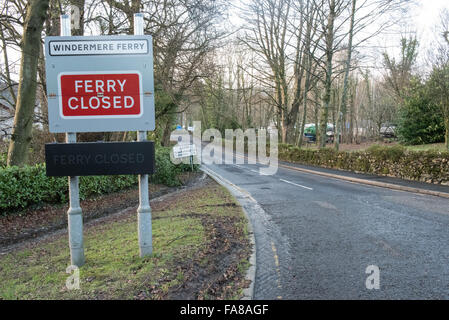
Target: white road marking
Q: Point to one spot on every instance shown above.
(252, 170)
(295, 184)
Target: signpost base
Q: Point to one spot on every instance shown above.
(76, 239)
(75, 222)
(145, 231)
(144, 228)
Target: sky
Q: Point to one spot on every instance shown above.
(426, 17)
(424, 20)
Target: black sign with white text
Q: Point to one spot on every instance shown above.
(99, 158)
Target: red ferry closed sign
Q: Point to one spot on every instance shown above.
(100, 83)
(100, 95)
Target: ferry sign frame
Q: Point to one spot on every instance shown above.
(108, 81)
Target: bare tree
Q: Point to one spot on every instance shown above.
(330, 11)
(266, 34)
(26, 97)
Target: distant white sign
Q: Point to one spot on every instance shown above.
(184, 150)
(97, 47)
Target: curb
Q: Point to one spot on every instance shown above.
(372, 183)
(248, 293)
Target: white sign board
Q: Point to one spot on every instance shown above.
(100, 84)
(98, 47)
(184, 150)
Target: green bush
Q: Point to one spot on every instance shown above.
(166, 172)
(394, 153)
(396, 161)
(29, 185)
(3, 158)
(420, 119)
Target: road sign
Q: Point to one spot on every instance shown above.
(99, 158)
(184, 150)
(101, 95)
(101, 83)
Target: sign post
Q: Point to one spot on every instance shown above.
(101, 84)
(75, 213)
(144, 209)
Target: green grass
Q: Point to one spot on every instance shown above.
(113, 269)
(428, 147)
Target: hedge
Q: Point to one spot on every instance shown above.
(425, 166)
(28, 185)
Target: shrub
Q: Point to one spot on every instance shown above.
(29, 185)
(427, 166)
(420, 119)
(382, 153)
(3, 159)
(166, 172)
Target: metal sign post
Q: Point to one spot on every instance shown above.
(75, 213)
(144, 210)
(98, 84)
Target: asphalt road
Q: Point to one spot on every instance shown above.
(316, 236)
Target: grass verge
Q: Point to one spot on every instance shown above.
(200, 246)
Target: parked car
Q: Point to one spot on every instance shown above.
(310, 133)
(388, 131)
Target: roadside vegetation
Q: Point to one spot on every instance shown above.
(200, 251)
(21, 187)
(429, 165)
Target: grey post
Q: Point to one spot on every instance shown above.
(75, 214)
(144, 210)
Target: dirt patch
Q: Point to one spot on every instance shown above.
(216, 271)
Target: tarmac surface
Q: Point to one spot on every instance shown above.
(323, 238)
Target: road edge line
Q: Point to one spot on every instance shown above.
(372, 183)
(248, 293)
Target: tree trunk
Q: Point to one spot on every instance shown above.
(328, 81)
(304, 102)
(345, 82)
(165, 141)
(284, 126)
(26, 97)
(446, 138)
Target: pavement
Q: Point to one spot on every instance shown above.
(318, 237)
